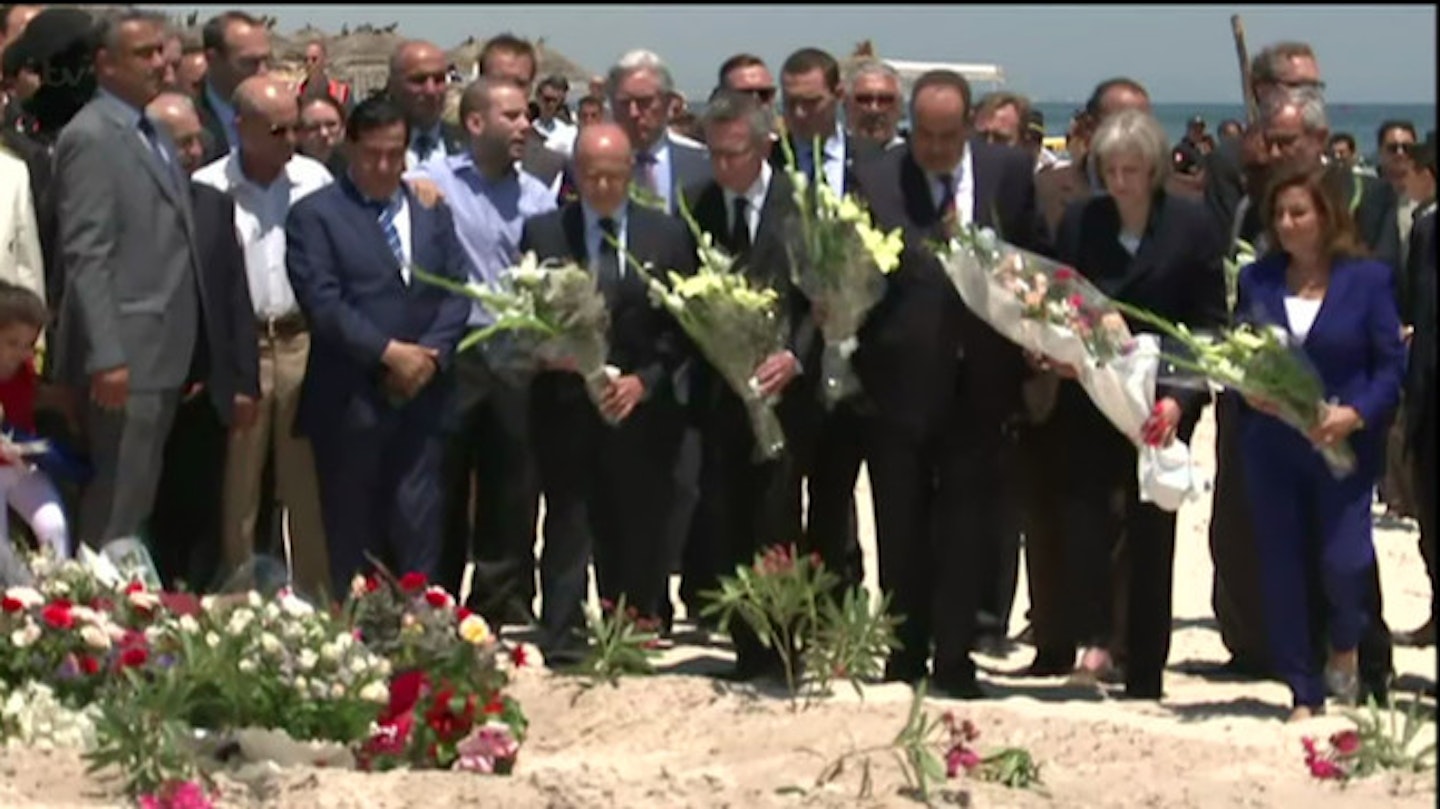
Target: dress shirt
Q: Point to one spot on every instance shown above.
(436, 134)
(833, 157)
(594, 234)
(754, 201)
(964, 188)
(226, 113)
(402, 228)
(558, 135)
(489, 215)
(660, 170)
(260, 213)
(1404, 218)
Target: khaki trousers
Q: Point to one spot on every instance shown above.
(282, 369)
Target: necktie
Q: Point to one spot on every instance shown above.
(424, 145)
(645, 171)
(392, 238)
(805, 159)
(147, 128)
(607, 269)
(946, 208)
(740, 227)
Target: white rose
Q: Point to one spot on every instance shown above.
(253, 599)
(142, 599)
(207, 603)
(60, 587)
(212, 640)
(247, 666)
(376, 692)
(95, 637)
(26, 635)
(337, 691)
(295, 606)
(271, 644)
(239, 619)
(189, 625)
(301, 684)
(308, 659)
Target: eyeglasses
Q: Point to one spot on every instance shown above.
(1398, 147)
(875, 99)
(277, 130)
(1311, 83)
(439, 78)
(762, 94)
(641, 103)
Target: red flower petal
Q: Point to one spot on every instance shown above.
(133, 657)
(11, 605)
(57, 615)
(437, 599)
(413, 582)
(89, 665)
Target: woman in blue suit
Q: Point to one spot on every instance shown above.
(1340, 308)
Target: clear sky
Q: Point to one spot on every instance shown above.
(1370, 53)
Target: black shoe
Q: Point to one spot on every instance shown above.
(993, 645)
(1050, 663)
(1242, 665)
(904, 671)
(966, 688)
(1422, 637)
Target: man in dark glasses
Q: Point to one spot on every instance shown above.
(873, 104)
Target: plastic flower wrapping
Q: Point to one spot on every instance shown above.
(1262, 362)
(1047, 308)
(735, 322)
(1244, 254)
(839, 260)
(552, 312)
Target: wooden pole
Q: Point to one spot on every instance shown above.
(1252, 107)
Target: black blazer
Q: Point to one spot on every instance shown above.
(1177, 272)
(234, 363)
(644, 340)
(858, 152)
(908, 347)
(767, 262)
(216, 144)
(1419, 399)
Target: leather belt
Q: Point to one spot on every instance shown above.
(283, 326)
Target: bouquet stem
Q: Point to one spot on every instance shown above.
(597, 382)
(837, 377)
(769, 436)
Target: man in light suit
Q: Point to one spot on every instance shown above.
(640, 87)
(132, 318)
(378, 377)
(21, 262)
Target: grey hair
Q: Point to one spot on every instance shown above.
(107, 28)
(1309, 102)
(635, 61)
(729, 105)
(872, 67)
(1134, 131)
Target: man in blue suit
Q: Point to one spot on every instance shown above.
(377, 379)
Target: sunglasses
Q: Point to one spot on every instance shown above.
(875, 99)
(762, 94)
(278, 130)
(1401, 147)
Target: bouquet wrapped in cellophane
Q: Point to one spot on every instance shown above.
(839, 260)
(1261, 362)
(553, 313)
(735, 322)
(1244, 254)
(1049, 309)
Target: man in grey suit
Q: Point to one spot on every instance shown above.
(131, 317)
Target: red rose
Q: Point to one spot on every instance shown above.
(496, 705)
(448, 725)
(413, 582)
(437, 599)
(406, 689)
(518, 657)
(134, 657)
(89, 665)
(57, 614)
(134, 587)
(1064, 274)
(1345, 742)
(11, 605)
(371, 584)
(461, 613)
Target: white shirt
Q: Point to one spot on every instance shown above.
(594, 236)
(754, 201)
(260, 214)
(833, 157)
(964, 188)
(1301, 312)
(559, 135)
(402, 229)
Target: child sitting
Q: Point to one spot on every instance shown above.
(24, 487)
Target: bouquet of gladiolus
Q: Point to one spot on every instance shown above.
(839, 260)
(554, 312)
(1050, 309)
(735, 322)
(1244, 254)
(1261, 363)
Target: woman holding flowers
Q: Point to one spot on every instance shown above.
(1140, 245)
(1340, 309)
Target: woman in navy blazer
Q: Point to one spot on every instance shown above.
(1340, 308)
(1140, 244)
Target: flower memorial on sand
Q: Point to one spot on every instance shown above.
(1378, 742)
(159, 686)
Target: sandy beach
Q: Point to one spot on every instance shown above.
(685, 739)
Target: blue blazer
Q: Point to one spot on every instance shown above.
(1354, 343)
(348, 285)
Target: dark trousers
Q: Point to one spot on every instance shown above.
(185, 522)
(608, 493)
(1102, 504)
(936, 502)
(1040, 452)
(1235, 594)
(831, 467)
(380, 495)
(1423, 463)
(999, 560)
(492, 491)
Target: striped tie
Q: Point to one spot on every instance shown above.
(392, 238)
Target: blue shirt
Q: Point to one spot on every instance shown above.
(489, 215)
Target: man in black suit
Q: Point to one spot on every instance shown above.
(748, 209)
(237, 46)
(417, 81)
(185, 523)
(609, 483)
(1419, 399)
(944, 384)
(507, 56)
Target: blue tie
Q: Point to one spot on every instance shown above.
(805, 160)
(392, 234)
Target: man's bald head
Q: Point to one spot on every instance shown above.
(418, 77)
(260, 95)
(176, 112)
(604, 161)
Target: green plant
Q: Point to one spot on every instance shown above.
(788, 601)
(1377, 743)
(621, 643)
(139, 734)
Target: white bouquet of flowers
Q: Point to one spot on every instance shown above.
(1052, 310)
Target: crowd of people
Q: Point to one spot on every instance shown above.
(221, 269)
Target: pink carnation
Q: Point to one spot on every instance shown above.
(485, 747)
